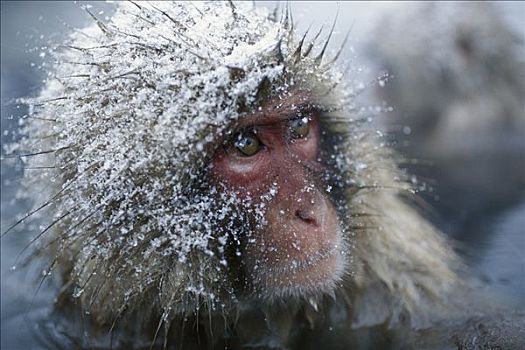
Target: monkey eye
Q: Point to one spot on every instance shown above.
(246, 143)
(299, 127)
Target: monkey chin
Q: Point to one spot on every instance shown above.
(304, 279)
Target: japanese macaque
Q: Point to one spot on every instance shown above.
(206, 182)
(457, 94)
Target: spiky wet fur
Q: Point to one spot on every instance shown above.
(398, 267)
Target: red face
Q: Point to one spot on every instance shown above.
(274, 153)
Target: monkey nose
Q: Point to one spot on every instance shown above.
(308, 216)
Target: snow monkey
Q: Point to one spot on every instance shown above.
(206, 182)
(461, 104)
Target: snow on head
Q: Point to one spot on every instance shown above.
(132, 111)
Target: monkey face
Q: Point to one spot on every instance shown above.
(134, 187)
(273, 158)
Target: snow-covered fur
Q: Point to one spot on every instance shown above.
(128, 120)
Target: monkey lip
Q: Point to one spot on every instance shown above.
(323, 267)
(323, 254)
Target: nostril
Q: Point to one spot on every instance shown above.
(306, 216)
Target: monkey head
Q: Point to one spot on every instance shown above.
(202, 155)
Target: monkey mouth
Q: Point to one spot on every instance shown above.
(312, 261)
(318, 272)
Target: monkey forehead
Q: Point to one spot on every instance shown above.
(177, 63)
(278, 108)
